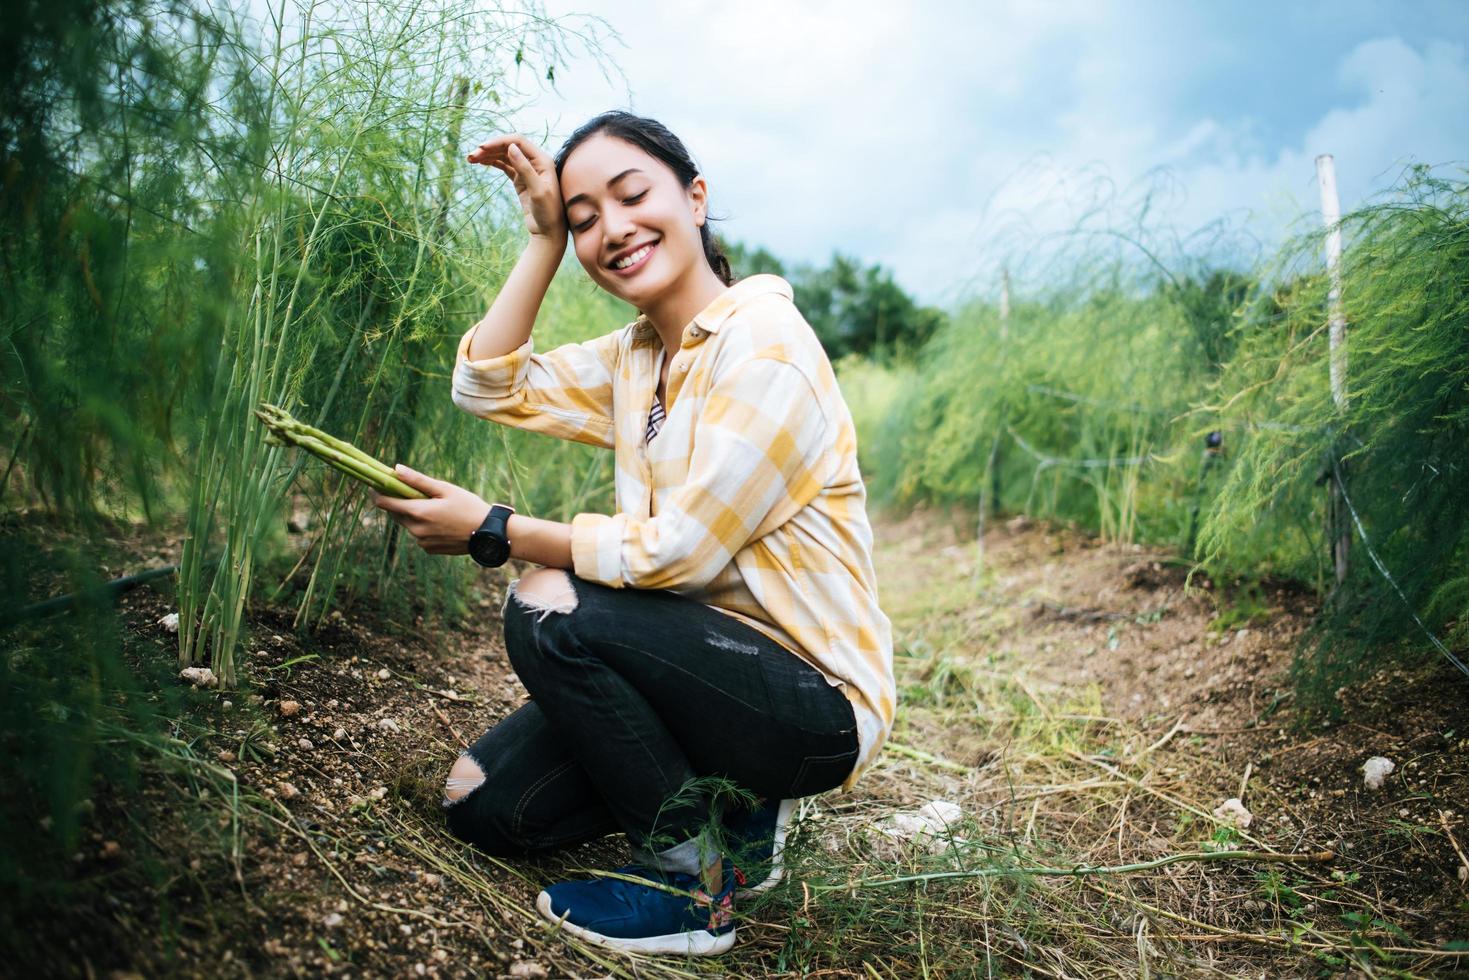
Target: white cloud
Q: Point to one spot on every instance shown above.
(924, 137)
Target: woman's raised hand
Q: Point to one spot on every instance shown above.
(533, 174)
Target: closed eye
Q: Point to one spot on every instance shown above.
(631, 200)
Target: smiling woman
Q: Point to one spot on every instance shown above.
(723, 624)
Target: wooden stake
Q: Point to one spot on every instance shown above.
(995, 461)
(1331, 215)
(1338, 531)
(1004, 304)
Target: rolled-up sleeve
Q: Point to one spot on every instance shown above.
(566, 392)
(761, 452)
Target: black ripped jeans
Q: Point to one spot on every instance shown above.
(635, 693)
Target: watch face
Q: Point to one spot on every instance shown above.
(487, 549)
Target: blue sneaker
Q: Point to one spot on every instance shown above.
(756, 839)
(642, 918)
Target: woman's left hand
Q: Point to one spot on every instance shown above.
(441, 524)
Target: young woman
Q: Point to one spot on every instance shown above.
(724, 622)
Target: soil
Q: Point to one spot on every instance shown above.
(1217, 704)
(296, 829)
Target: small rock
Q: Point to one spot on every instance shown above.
(288, 791)
(339, 734)
(384, 674)
(227, 704)
(1375, 770)
(420, 969)
(528, 970)
(199, 676)
(1232, 811)
(332, 920)
(300, 859)
(935, 820)
(289, 708)
(111, 850)
(336, 616)
(170, 622)
(389, 725)
(226, 756)
(305, 745)
(379, 793)
(433, 880)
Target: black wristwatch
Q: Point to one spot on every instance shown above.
(490, 545)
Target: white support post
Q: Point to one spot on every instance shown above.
(1338, 531)
(1331, 214)
(1004, 304)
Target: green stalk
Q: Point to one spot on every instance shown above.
(1082, 871)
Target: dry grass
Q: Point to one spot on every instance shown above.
(1075, 801)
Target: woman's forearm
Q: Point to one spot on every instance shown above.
(543, 542)
(513, 313)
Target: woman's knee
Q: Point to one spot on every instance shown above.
(465, 776)
(541, 645)
(478, 811)
(544, 591)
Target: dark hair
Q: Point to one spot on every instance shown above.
(654, 138)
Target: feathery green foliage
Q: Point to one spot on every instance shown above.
(118, 261)
(1400, 441)
(372, 254)
(201, 212)
(1090, 403)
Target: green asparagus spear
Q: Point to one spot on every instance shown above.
(337, 453)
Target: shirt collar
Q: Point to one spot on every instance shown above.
(712, 317)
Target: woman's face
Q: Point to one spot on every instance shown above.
(619, 200)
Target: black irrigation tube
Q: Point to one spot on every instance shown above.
(108, 591)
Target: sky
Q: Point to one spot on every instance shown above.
(937, 138)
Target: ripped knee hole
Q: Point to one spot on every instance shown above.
(464, 778)
(545, 591)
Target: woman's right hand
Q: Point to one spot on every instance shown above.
(533, 174)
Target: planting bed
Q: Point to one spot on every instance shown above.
(1082, 704)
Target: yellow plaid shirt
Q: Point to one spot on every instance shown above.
(749, 500)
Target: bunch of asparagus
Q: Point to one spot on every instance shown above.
(288, 431)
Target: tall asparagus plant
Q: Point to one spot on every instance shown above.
(355, 262)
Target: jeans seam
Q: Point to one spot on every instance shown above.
(690, 674)
(653, 757)
(517, 817)
(809, 760)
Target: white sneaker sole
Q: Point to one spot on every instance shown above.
(699, 942)
(777, 859)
